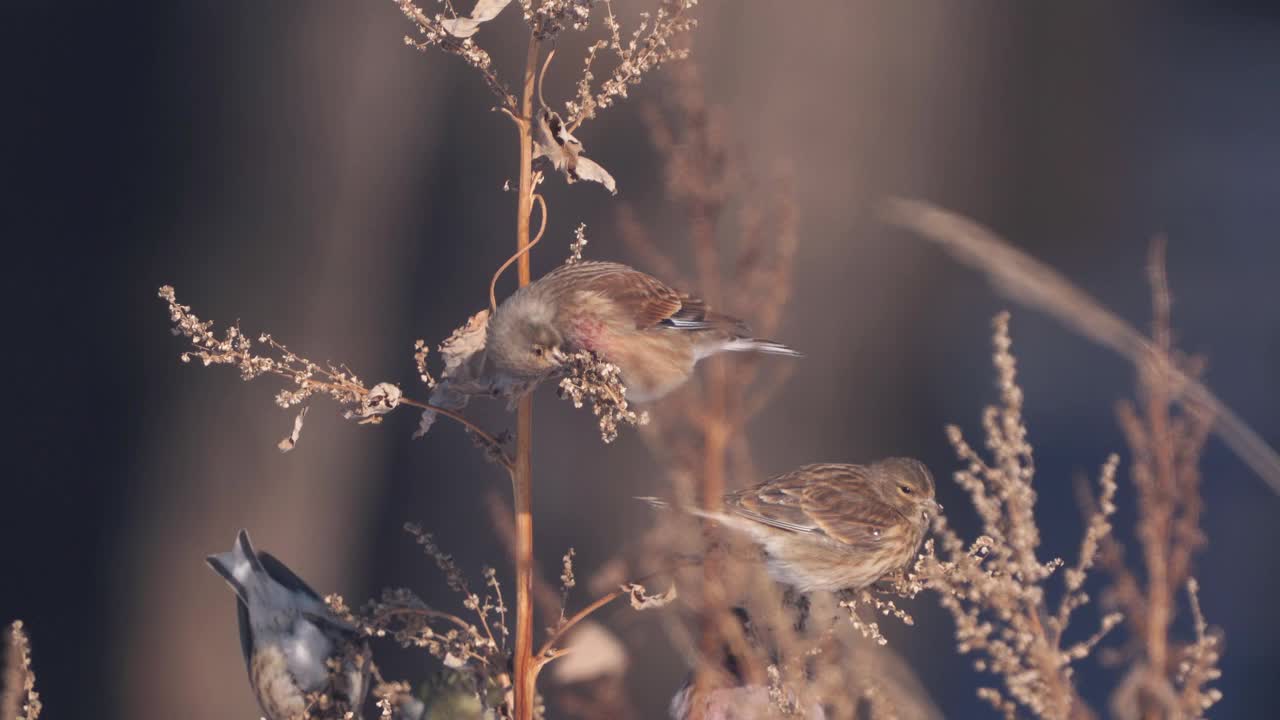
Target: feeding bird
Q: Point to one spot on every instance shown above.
(651, 332)
(293, 645)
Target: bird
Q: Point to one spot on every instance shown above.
(293, 644)
(651, 332)
(834, 526)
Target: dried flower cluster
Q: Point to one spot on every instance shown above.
(433, 33)
(994, 586)
(590, 379)
(869, 629)
(477, 651)
(578, 245)
(1199, 664)
(649, 46)
(18, 697)
(461, 354)
(309, 379)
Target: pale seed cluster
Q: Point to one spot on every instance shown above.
(994, 586)
(1199, 664)
(18, 697)
(648, 47)
(590, 379)
(363, 405)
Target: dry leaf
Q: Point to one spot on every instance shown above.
(380, 400)
(484, 11)
(463, 354)
(288, 443)
(642, 600)
(554, 142)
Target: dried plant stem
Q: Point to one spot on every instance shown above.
(490, 440)
(522, 479)
(549, 651)
(716, 434)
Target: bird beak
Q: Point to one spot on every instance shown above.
(932, 510)
(559, 356)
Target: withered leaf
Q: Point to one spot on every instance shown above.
(484, 11)
(553, 141)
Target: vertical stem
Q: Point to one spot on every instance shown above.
(715, 436)
(526, 672)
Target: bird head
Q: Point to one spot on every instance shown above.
(524, 341)
(908, 486)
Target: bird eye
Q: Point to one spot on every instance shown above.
(906, 489)
(537, 350)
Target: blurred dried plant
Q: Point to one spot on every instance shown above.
(1166, 430)
(18, 697)
(1166, 441)
(994, 587)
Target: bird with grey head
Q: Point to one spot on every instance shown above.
(294, 646)
(651, 332)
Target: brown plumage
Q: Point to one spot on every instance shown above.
(834, 526)
(653, 333)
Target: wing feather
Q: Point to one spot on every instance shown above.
(643, 297)
(829, 499)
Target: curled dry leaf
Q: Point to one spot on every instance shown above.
(642, 600)
(555, 143)
(291, 441)
(463, 355)
(380, 400)
(484, 11)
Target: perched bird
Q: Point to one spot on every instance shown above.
(832, 526)
(289, 636)
(654, 334)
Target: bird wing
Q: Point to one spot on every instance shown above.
(286, 577)
(246, 630)
(831, 500)
(643, 297)
(851, 515)
(778, 502)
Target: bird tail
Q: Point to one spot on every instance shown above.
(761, 345)
(654, 502)
(660, 504)
(238, 566)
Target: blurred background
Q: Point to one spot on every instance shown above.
(295, 166)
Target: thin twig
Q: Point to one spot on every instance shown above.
(522, 252)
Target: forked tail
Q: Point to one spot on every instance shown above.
(761, 345)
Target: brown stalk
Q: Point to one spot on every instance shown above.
(522, 479)
(1166, 447)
